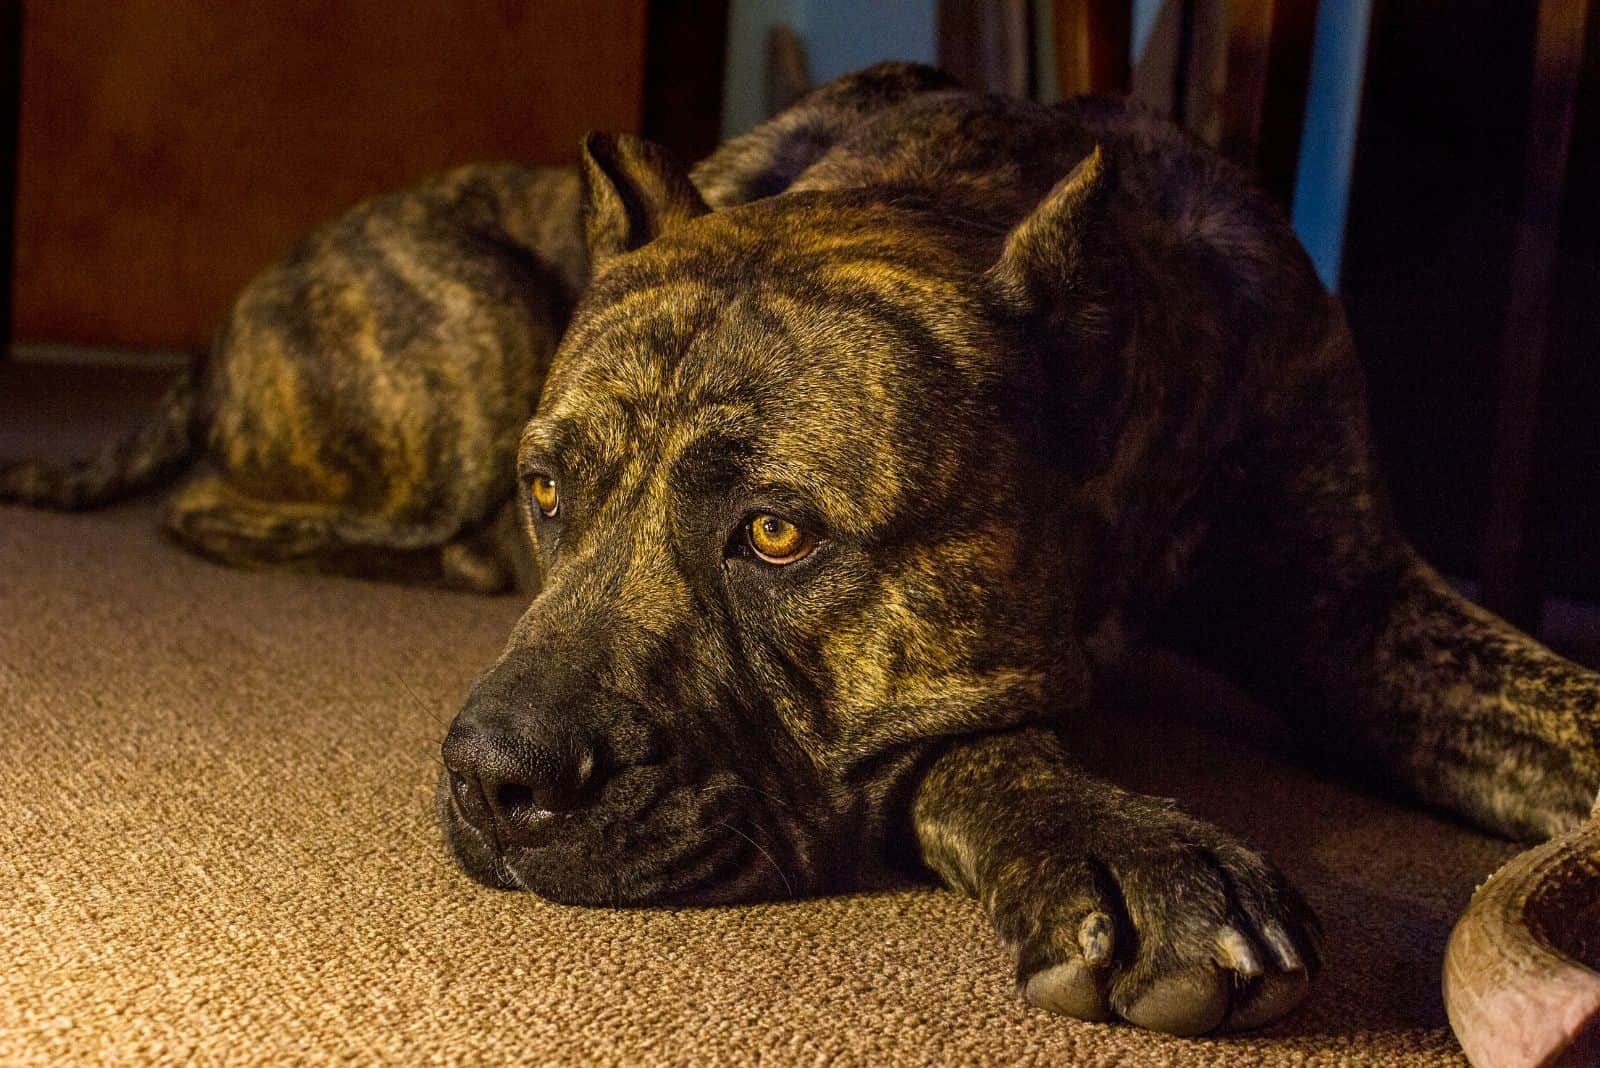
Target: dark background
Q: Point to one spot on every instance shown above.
(1427, 278)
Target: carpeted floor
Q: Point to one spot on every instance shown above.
(217, 847)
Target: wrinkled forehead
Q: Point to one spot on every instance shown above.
(846, 363)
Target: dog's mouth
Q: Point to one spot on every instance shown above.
(645, 845)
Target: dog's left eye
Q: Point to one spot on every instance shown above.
(778, 541)
(545, 495)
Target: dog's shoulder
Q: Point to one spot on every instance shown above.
(1001, 156)
(764, 161)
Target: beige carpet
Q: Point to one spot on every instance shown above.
(216, 846)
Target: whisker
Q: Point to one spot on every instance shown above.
(415, 697)
(780, 802)
(787, 886)
(437, 717)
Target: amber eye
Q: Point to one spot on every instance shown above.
(545, 494)
(778, 541)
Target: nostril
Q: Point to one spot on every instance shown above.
(467, 796)
(515, 799)
(507, 776)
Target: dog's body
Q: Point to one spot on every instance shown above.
(847, 493)
(359, 409)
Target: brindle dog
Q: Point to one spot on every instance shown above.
(848, 493)
(358, 411)
(869, 449)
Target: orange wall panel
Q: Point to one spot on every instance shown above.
(169, 149)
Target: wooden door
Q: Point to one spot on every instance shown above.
(169, 149)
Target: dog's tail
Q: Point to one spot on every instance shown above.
(151, 453)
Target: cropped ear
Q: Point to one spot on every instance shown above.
(633, 192)
(1045, 255)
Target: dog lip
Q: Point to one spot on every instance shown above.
(575, 859)
(531, 819)
(684, 880)
(472, 851)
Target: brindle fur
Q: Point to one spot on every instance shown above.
(1048, 382)
(359, 409)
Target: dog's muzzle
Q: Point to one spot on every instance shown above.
(508, 776)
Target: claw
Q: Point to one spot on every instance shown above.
(1235, 952)
(1095, 936)
(1282, 948)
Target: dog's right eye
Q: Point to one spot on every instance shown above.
(777, 541)
(545, 495)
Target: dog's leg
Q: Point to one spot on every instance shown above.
(1373, 655)
(1459, 707)
(1114, 902)
(213, 519)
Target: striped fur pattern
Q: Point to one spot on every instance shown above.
(1036, 383)
(359, 409)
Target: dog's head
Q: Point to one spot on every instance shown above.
(798, 509)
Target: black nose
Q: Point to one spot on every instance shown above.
(508, 777)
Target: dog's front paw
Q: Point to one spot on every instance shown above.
(1162, 920)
